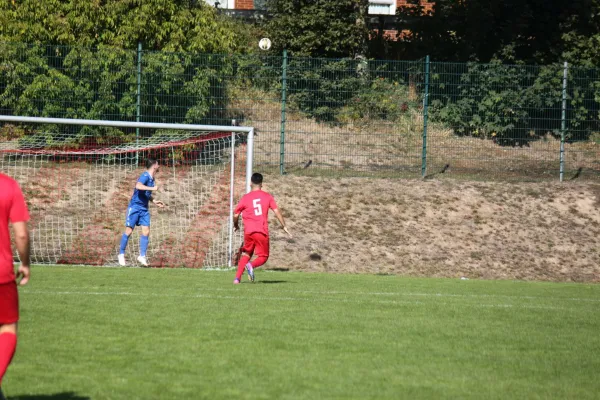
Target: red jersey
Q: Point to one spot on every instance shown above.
(254, 207)
(13, 209)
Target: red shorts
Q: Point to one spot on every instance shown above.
(9, 303)
(256, 244)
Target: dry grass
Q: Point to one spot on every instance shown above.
(379, 146)
(531, 231)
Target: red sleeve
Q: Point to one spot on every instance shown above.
(18, 208)
(240, 207)
(272, 204)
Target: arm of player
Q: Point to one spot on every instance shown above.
(141, 186)
(236, 222)
(23, 248)
(281, 221)
(159, 203)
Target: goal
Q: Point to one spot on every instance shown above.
(78, 177)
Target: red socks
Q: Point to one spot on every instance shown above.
(255, 264)
(8, 345)
(241, 266)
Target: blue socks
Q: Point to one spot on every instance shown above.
(124, 240)
(143, 245)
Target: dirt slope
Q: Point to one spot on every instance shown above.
(441, 228)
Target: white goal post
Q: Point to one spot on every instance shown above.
(78, 176)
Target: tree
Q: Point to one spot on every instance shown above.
(171, 25)
(77, 59)
(514, 31)
(581, 36)
(319, 28)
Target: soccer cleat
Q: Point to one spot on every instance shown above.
(142, 260)
(250, 271)
(236, 281)
(122, 260)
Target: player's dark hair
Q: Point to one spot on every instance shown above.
(150, 162)
(256, 178)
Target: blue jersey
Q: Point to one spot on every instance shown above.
(141, 198)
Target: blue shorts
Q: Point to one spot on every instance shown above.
(137, 216)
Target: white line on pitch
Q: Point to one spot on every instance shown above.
(407, 294)
(319, 300)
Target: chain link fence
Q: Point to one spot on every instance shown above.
(513, 121)
(326, 116)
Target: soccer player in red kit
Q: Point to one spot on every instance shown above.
(13, 209)
(254, 209)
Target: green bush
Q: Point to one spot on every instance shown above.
(487, 102)
(82, 70)
(339, 91)
(73, 82)
(512, 104)
(321, 87)
(382, 99)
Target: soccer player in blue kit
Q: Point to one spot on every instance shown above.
(137, 211)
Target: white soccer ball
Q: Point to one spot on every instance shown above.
(264, 43)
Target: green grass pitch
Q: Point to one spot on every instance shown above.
(106, 333)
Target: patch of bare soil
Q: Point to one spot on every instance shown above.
(438, 228)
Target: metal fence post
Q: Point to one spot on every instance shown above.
(283, 106)
(138, 101)
(425, 118)
(563, 121)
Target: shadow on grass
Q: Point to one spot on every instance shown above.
(56, 396)
(279, 269)
(270, 282)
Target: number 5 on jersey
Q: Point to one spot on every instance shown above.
(257, 207)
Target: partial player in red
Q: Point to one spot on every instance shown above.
(13, 209)
(254, 209)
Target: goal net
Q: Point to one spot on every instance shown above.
(78, 177)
